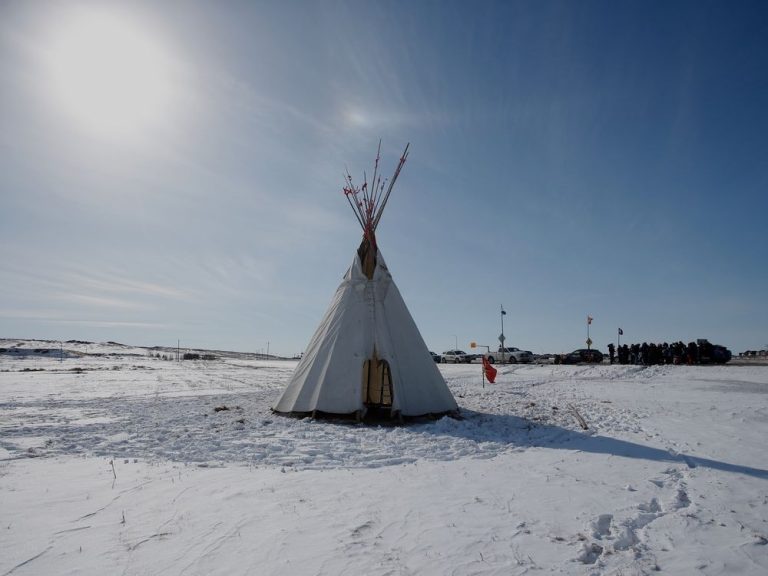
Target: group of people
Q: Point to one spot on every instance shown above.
(648, 354)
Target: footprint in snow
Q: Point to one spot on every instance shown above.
(601, 526)
(590, 553)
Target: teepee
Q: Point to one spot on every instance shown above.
(367, 357)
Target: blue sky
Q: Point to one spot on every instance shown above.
(567, 158)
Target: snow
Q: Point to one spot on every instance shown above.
(112, 461)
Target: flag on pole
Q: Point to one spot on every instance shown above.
(589, 319)
(621, 332)
(490, 371)
(503, 313)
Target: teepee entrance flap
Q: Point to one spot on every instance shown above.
(377, 383)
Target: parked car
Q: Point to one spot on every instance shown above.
(546, 358)
(583, 356)
(456, 357)
(436, 357)
(510, 355)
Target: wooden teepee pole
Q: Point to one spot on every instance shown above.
(403, 158)
(368, 203)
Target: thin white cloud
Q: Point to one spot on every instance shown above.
(113, 323)
(55, 317)
(118, 284)
(28, 314)
(99, 301)
(72, 282)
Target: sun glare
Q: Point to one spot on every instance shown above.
(108, 74)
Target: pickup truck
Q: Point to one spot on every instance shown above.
(510, 355)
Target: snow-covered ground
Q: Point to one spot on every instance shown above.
(115, 462)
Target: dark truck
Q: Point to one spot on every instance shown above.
(712, 353)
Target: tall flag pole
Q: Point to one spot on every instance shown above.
(501, 338)
(619, 335)
(589, 340)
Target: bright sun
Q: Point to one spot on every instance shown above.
(109, 75)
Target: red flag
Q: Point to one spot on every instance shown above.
(490, 371)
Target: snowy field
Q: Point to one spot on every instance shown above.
(113, 462)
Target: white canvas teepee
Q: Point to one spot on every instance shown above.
(367, 357)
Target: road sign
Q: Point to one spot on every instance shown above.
(502, 338)
(589, 341)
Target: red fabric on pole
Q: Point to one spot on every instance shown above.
(490, 371)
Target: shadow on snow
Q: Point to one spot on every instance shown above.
(525, 433)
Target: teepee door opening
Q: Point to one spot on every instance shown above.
(377, 383)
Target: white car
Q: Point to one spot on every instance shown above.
(510, 355)
(456, 357)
